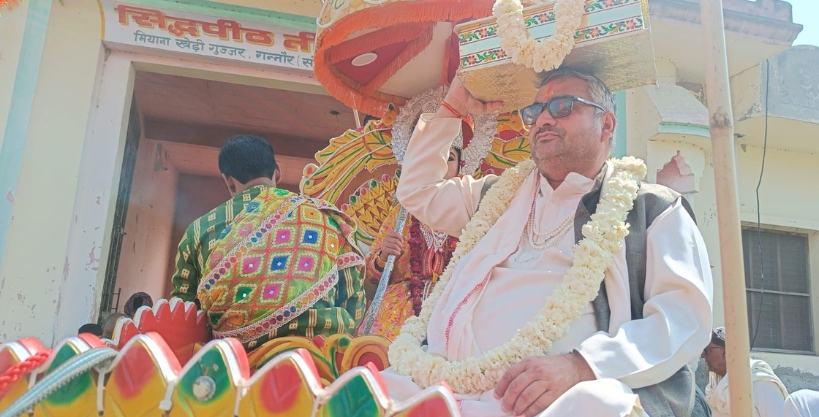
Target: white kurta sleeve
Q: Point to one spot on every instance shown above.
(802, 403)
(444, 205)
(768, 399)
(676, 323)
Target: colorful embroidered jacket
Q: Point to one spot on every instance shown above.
(200, 237)
(397, 304)
(287, 265)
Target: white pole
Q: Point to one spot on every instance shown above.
(357, 119)
(730, 238)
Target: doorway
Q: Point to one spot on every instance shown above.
(173, 177)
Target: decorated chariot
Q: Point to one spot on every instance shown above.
(391, 59)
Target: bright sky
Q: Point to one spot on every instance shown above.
(806, 13)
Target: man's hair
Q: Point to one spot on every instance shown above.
(598, 91)
(109, 324)
(136, 301)
(246, 158)
(92, 328)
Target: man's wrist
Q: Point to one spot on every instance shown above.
(584, 371)
(444, 113)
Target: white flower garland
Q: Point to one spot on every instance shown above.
(519, 45)
(603, 235)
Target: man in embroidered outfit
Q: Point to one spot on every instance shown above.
(286, 265)
(248, 166)
(503, 328)
(769, 392)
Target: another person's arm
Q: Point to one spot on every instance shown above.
(677, 313)
(768, 399)
(387, 242)
(186, 273)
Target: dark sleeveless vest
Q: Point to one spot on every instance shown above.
(674, 397)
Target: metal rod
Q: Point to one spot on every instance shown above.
(730, 237)
(385, 276)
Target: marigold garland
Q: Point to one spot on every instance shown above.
(603, 235)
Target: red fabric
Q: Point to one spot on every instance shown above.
(363, 75)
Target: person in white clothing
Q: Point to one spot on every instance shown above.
(768, 390)
(802, 403)
(623, 348)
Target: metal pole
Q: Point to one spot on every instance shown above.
(730, 238)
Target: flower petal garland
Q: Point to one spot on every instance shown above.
(519, 45)
(603, 235)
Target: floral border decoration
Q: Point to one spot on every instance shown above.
(583, 35)
(535, 20)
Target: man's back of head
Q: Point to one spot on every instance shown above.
(92, 328)
(246, 161)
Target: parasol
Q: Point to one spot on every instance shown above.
(371, 53)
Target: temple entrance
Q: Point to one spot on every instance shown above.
(170, 176)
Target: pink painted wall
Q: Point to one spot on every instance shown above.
(146, 245)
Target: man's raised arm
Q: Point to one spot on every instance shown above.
(444, 205)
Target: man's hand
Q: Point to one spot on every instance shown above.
(391, 245)
(465, 103)
(533, 384)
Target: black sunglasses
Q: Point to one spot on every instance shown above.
(710, 348)
(557, 106)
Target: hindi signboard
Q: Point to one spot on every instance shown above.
(207, 36)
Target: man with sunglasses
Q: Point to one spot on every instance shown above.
(627, 353)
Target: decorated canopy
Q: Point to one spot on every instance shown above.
(372, 53)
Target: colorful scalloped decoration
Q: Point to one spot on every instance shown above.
(11, 354)
(78, 394)
(146, 379)
(332, 356)
(179, 323)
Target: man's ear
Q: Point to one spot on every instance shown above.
(230, 183)
(277, 176)
(609, 124)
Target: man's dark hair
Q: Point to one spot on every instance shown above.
(246, 158)
(92, 328)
